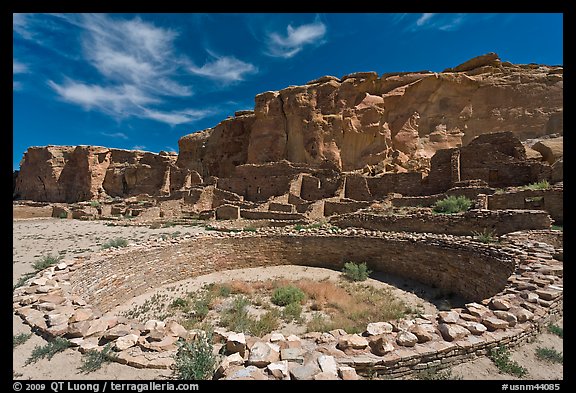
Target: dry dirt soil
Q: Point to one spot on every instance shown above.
(34, 238)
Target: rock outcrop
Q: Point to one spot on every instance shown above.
(395, 121)
(79, 173)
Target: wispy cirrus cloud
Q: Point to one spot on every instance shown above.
(178, 116)
(18, 68)
(224, 68)
(138, 147)
(139, 66)
(114, 100)
(295, 39)
(117, 135)
(432, 21)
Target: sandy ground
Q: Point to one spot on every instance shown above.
(34, 238)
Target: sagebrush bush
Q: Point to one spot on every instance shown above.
(356, 271)
(452, 204)
(288, 294)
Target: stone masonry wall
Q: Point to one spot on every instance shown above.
(499, 222)
(550, 200)
(464, 269)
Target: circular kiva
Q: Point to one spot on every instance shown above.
(513, 289)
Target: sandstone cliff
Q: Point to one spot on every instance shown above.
(77, 173)
(395, 121)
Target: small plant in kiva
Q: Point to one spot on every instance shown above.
(285, 295)
(93, 359)
(20, 339)
(356, 271)
(195, 360)
(49, 350)
(116, 243)
(452, 204)
(501, 358)
(549, 355)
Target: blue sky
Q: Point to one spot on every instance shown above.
(141, 81)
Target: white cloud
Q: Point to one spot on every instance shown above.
(119, 135)
(133, 51)
(444, 22)
(424, 19)
(20, 25)
(19, 68)
(225, 69)
(295, 39)
(119, 100)
(176, 117)
(138, 147)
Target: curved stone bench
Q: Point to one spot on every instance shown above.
(513, 290)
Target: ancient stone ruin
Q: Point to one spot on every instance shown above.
(367, 157)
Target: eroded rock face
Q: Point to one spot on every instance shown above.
(394, 121)
(79, 173)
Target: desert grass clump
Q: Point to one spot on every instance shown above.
(48, 351)
(485, 236)
(549, 355)
(540, 185)
(356, 271)
(237, 318)
(195, 360)
(501, 358)
(93, 360)
(20, 339)
(557, 330)
(452, 204)
(286, 295)
(45, 262)
(115, 243)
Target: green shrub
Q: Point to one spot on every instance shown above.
(49, 350)
(452, 204)
(93, 359)
(237, 318)
(95, 203)
(356, 272)
(195, 360)
(292, 312)
(557, 330)
(179, 303)
(501, 358)
(549, 355)
(319, 323)
(285, 295)
(20, 339)
(45, 262)
(117, 242)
